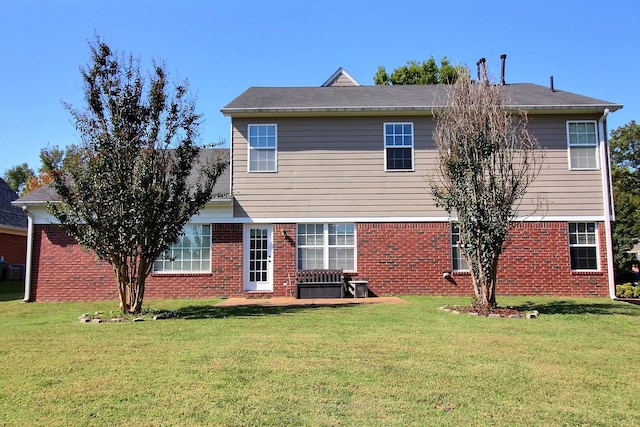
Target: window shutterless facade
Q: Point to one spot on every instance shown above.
(191, 254)
(582, 140)
(583, 247)
(326, 246)
(263, 148)
(398, 147)
(459, 263)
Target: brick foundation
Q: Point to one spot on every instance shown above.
(396, 258)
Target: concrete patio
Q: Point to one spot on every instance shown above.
(284, 301)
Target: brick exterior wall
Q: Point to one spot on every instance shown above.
(396, 258)
(67, 272)
(411, 259)
(13, 248)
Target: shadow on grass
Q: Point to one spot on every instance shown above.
(11, 290)
(572, 307)
(218, 312)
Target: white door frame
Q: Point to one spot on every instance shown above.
(257, 258)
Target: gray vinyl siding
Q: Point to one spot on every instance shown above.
(334, 167)
(341, 80)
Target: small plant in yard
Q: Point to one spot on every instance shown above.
(628, 290)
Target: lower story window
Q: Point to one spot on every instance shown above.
(583, 246)
(459, 263)
(191, 254)
(326, 246)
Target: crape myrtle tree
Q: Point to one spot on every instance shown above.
(128, 191)
(486, 161)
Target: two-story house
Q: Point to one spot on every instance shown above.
(338, 177)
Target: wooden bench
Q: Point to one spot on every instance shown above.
(319, 284)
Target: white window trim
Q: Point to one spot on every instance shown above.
(585, 245)
(457, 246)
(325, 245)
(275, 149)
(595, 145)
(413, 144)
(187, 272)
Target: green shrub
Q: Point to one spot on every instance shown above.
(628, 290)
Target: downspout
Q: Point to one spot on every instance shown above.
(607, 200)
(27, 273)
(231, 164)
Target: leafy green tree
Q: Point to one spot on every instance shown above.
(128, 193)
(416, 73)
(17, 177)
(625, 158)
(381, 78)
(58, 158)
(487, 160)
(448, 73)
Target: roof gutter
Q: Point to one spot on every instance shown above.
(396, 110)
(607, 201)
(27, 273)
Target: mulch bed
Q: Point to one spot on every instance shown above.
(502, 311)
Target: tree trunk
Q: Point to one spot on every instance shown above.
(484, 283)
(131, 274)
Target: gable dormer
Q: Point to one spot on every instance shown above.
(341, 78)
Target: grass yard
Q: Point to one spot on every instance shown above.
(368, 365)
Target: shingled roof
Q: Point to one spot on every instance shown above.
(332, 100)
(10, 216)
(221, 189)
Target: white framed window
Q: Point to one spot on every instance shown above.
(263, 148)
(398, 147)
(326, 246)
(190, 254)
(459, 263)
(582, 141)
(583, 246)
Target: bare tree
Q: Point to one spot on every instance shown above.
(487, 160)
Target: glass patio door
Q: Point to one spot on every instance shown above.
(258, 254)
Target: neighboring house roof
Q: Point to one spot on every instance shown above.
(332, 100)
(10, 216)
(221, 189)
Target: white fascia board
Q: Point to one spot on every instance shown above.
(281, 220)
(217, 211)
(14, 231)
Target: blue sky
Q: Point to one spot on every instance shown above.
(224, 46)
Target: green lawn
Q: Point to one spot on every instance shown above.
(368, 365)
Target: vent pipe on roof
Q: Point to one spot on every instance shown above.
(551, 84)
(483, 66)
(503, 58)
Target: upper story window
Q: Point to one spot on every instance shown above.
(398, 146)
(582, 138)
(190, 254)
(583, 245)
(263, 143)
